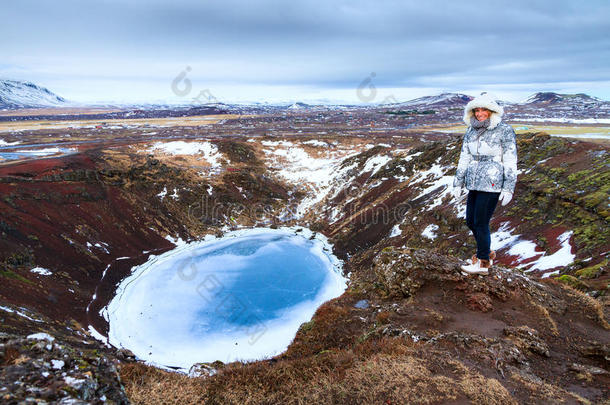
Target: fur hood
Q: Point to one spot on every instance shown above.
(485, 100)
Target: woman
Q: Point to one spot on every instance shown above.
(488, 170)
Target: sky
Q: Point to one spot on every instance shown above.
(326, 51)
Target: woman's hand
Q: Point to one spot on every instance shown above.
(505, 197)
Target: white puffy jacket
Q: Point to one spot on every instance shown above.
(487, 162)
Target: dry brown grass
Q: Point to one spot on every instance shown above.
(546, 316)
(386, 371)
(592, 307)
(541, 392)
(149, 385)
(195, 120)
(10, 356)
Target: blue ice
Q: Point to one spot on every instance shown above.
(241, 297)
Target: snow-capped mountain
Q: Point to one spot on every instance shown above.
(298, 105)
(547, 105)
(18, 94)
(554, 98)
(439, 100)
(538, 106)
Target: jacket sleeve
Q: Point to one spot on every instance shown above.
(509, 159)
(465, 158)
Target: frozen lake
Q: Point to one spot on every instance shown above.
(239, 297)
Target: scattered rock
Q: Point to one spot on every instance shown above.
(202, 370)
(479, 302)
(51, 371)
(527, 338)
(362, 304)
(126, 355)
(596, 349)
(582, 368)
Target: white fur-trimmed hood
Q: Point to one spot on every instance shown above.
(485, 100)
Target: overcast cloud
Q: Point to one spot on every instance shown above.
(132, 50)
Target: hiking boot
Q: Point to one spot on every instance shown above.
(485, 264)
(492, 257)
(481, 266)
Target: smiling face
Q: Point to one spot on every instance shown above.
(481, 114)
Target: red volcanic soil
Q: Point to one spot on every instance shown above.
(51, 209)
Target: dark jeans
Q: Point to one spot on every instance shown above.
(479, 208)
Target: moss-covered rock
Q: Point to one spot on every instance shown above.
(572, 281)
(592, 271)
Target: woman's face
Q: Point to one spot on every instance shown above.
(481, 114)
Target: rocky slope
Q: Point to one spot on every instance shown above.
(409, 326)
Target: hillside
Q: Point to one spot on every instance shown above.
(73, 226)
(16, 94)
(561, 107)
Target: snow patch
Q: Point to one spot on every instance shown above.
(20, 313)
(375, 163)
(41, 271)
(57, 364)
(41, 336)
(98, 336)
(429, 231)
(315, 142)
(208, 150)
(396, 231)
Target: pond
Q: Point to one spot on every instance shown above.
(239, 297)
(14, 154)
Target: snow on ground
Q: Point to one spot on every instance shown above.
(41, 271)
(571, 120)
(41, 336)
(277, 143)
(208, 150)
(316, 174)
(395, 231)
(375, 163)
(5, 143)
(57, 364)
(315, 142)
(429, 231)
(20, 313)
(526, 249)
(178, 241)
(460, 206)
(560, 258)
(503, 237)
(439, 180)
(98, 336)
(97, 245)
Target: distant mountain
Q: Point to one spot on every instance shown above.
(298, 105)
(539, 106)
(554, 98)
(18, 94)
(550, 105)
(440, 100)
